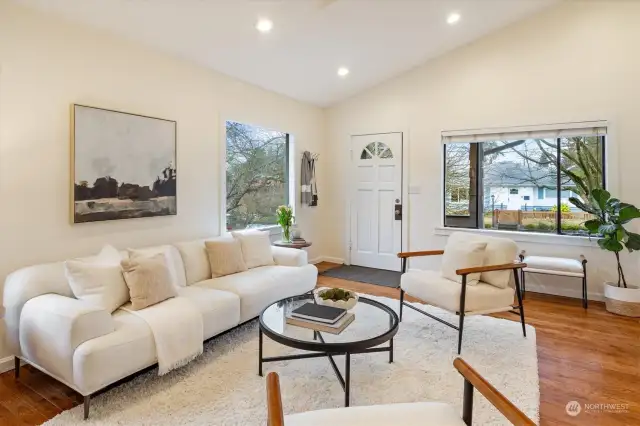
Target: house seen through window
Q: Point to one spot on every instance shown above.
(523, 184)
(257, 175)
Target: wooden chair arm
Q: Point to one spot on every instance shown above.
(274, 401)
(514, 265)
(510, 411)
(406, 254)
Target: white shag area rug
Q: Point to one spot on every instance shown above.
(222, 386)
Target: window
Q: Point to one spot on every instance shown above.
(523, 181)
(257, 169)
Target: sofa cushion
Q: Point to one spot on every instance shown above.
(436, 290)
(98, 281)
(260, 287)
(148, 279)
(225, 257)
(173, 259)
(256, 248)
(406, 414)
(220, 309)
(195, 260)
(461, 253)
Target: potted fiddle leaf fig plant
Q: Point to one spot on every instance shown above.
(610, 218)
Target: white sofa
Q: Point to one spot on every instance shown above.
(87, 348)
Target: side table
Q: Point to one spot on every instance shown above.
(295, 245)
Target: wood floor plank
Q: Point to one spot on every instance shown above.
(590, 356)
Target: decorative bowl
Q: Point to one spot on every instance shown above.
(348, 304)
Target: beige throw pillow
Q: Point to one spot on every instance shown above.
(459, 255)
(225, 257)
(256, 248)
(149, 280)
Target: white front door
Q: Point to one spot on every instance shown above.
(376, 229)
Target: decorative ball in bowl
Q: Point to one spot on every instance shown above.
(336, 297)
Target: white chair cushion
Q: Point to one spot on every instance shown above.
(460, 253)
(542, 264)
(195, 260)
(436, 290)
(407, 414)
(260, 287)
(498, 252)
(173, 258)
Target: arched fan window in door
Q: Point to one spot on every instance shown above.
(376, 149)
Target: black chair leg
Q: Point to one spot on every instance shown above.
(87, 401)
(401, 302)
(524, 285)
(518, 293)
(16, 367)
(460, 327)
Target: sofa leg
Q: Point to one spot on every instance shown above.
(401, 302)
(87, 401)
(16, 367)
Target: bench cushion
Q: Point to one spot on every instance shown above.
(407, 414)
(554, 266)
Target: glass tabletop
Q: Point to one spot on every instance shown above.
(374, 324)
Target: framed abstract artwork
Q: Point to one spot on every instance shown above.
(123, 166)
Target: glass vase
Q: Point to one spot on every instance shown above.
(286, 234)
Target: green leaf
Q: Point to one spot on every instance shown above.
(593, 225)
(628, 213)
(601, 196)
(621, 234)
(582, 206)
(610, 244)
(607, 228)
(633, 243)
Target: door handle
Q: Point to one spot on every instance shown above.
(398, 212)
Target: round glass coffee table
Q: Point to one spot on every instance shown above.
(374, 325)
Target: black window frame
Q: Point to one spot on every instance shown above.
(477, 178)
(287, 181)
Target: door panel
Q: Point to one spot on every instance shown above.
(376, 235)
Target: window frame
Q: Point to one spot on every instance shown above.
(289, 183)
(479, 177)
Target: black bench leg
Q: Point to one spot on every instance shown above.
(87, 401)
(16, 367)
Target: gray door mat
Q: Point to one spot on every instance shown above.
(362, 274)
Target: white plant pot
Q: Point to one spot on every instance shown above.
(349, 304)
(622, 301)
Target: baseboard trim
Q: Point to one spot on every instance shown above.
(6, 364)
(556, 291)
(327, 259)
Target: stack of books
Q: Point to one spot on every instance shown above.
(321, 318)
(298, 240)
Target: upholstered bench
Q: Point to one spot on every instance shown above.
(555, 266)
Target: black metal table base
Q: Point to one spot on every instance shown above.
(345, 381)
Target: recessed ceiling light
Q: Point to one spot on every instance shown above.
(264, 25)
(342, 71)
(453, 18)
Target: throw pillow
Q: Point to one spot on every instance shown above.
(459, 255)
(195, 260)
(172, 257)
(98, 280)
(256, 248)
(149, 280)
(225, 257)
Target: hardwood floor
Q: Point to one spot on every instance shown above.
(592, 357)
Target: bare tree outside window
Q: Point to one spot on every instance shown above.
(257, 175)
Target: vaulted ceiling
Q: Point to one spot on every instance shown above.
(310, 39)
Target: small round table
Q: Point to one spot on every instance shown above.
(296, 245)
(375, 323)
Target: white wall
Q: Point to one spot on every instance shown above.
(575, 62)
(47, 64)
